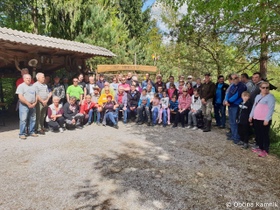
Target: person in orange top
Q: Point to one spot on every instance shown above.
(87, 109)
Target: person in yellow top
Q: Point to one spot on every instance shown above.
(103, 97)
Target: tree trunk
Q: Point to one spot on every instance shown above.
(264, 55)
(35, 17)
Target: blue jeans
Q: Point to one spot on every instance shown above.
(26, 116)
(111, 116)
(232, 112)
(131, 113)
(124, 113)
(220, 114)
(155, 115)
(90, 114)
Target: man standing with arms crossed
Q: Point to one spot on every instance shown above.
(207, 93)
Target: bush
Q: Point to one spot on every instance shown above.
(275, 138)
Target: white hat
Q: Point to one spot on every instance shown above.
(190, 77)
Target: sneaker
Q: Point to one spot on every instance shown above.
(22, 137)
(245, 146)
(79, 127)
(88, 124)
(159, 121)
(34, 135)
(116, 126)
(222, 127)
(194, 128)
(168, 123)
(174, 126)
(140, 123)
(256, 150)
(98, 123)
(240, 143)
(61, 130)
(263, 154)
(189, 127)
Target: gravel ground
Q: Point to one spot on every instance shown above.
(133, 168)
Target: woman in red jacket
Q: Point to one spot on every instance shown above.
(87, 109)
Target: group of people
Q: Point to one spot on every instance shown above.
(61, 106)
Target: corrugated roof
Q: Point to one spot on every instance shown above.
(15, 36)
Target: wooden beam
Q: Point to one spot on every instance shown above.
(114, 68)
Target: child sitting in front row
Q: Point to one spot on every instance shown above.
(173, 106)
(195, 110)
(164, 110)
(155, 109)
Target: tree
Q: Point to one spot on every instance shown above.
(249, 25)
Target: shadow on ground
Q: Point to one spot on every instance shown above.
(181, 169)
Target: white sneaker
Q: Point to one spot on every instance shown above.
(61, 130)
(194, 128)
(189, 127)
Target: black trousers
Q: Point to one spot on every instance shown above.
(244, 132)
(262, 134)
(181, 116)
(55, 125)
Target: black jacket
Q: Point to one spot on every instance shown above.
(244, 113)
(68, 114)
(132, 100)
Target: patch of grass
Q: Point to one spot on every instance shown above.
(275, 128)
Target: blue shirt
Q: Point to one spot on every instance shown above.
(219, 94)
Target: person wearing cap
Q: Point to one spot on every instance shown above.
(207, 93)
(143, 106)
(58, 89)
(190, 79)
(101, 82)
(159, 83)
(94, 98)
(110, 112)
(121, 100)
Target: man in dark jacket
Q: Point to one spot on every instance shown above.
(207, 93)
(133, 97)
(219, 108)
(71, 114)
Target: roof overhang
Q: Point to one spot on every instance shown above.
(51, 53)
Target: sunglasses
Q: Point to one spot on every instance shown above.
(265, 87)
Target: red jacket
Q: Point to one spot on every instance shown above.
(85, 107)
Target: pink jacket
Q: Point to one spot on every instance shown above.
(184, 102)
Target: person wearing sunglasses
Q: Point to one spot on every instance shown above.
(232, 100)
(75, 90)
(261, 116)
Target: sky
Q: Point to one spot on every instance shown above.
(148, 3)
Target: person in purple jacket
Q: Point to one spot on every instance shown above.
(261, 116)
